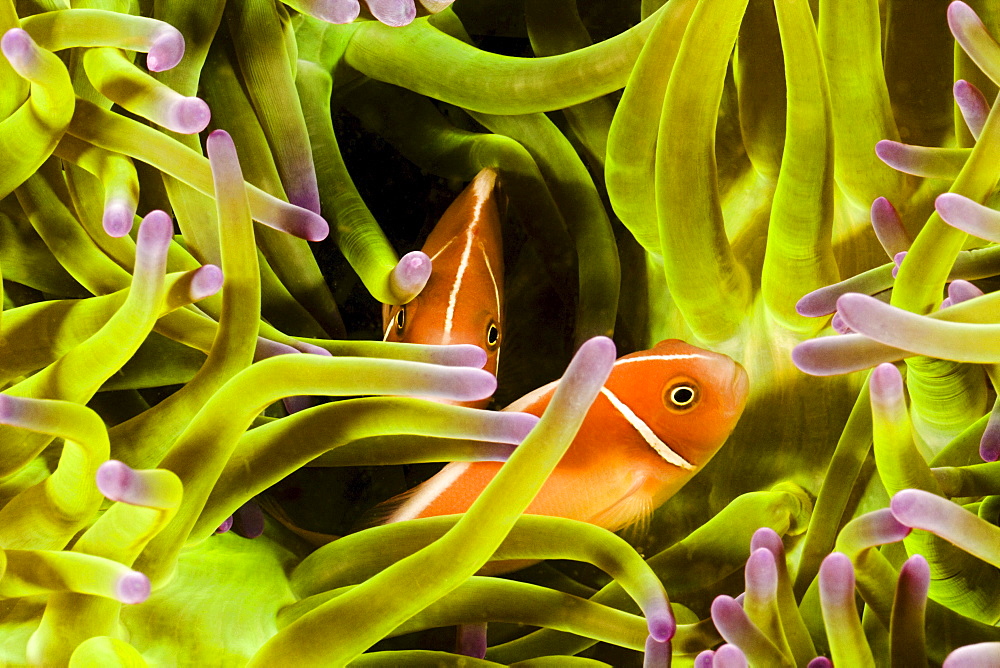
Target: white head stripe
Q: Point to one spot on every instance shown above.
(643, 358)
(647, 434)
(429, 491)
(463, 264)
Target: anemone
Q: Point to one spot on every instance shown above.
(202, 204)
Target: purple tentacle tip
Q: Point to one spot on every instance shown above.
(188, 116)
(207, 280)
(166, 51)
(115, 479)
(395, 13)
(960, 291)
(662, 626)
(118, 217)
(337, 11)
(18, 47)
(657, 653)
(248, 521)
(961, 17)
(989, 445)
(973, 104)
(838, 324)
(220, 145)
(729, 656)
(704, 659)
(820, 662)
(471, 640)
(411, 273)
(226, 525)
(132, 587)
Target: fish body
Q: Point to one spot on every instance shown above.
(462, 301)
(660, 417)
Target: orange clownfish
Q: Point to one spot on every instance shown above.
(661, 416)
(462, 301)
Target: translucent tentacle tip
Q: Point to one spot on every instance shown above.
(395, 13)
(18, 47)
(248, 521)
(116, 480)
(768, 539)
(188, 116)
(410, 274)
(897, 261)
(762, 573)
(207, 280)
(132, 587)
(336, 11)
(838, 324)
(886, 384)
(166, 51)
(226, 525)
(962, 17)
(820, 662)
(960, 291)
(118, 217)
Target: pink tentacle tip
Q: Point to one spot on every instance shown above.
(207, 281)
(132, 587)
(338, 11)
(762, 572)
(836, 577)
(470, 354)
(815, 304)
(226, 525)
(188, 116)
(910, 506)
(156, 229)
(820, 662)
(961, 17)
(115, 479)
(18, 47)
(166, 51)
(886, 382)
(662, 626)
(767, 538)
(600, 349)
(473, 384)
(729, 656)
(974, 656)
(917, 573)
(704, 659)
(118, 217)
(394, 13)
(220, 145)
(411, 273)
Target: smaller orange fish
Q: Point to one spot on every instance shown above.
(463, 299)
(660, 417)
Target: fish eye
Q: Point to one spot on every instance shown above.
(401, 318)
(681, 396)
(492, 335)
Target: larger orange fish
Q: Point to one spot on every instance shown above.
(660, 417)
(463, 299)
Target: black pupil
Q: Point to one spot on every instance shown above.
(683, 395)
(493, 335)
(400, 318)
